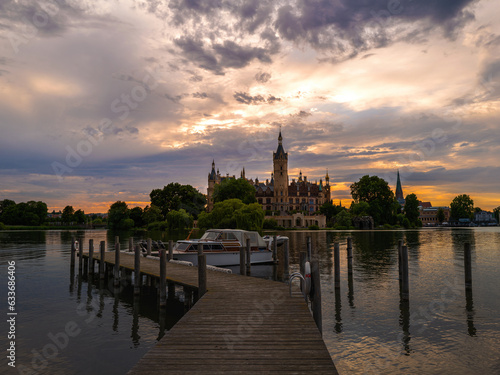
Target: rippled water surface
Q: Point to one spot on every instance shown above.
(443, 329)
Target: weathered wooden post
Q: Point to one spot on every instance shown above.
(148, 250)
(102, 259)
(242, 260)
(163, 277)
(170, 249)
(468, 265)
(275, 248)
(249, 256)
(400, 261)
(73, 253)
(349, 248)
(137, 270)
(130, 244)
(286, 260)
(302, 264)
(117, 240)
(309, 249)
(316, 297)
(202, 274)
(91, 256)
(336, 260)
(80, 256)
(405, 286)
(117, 265)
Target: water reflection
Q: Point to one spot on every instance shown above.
(469, 307)
(404, 323)
(338, 311)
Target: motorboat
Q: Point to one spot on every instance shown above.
(280, 240)
(222, 247)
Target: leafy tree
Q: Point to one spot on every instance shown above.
(136, 215)
(175, 196)
(406, 223)
(151, 214)
(462, 207)
(477, 210)
(233, 213)
(360, 209)
(232, 188)
(67, 214)
(411, 208)
(2, 226)
(376, 192)
(496, 213)
(79, 217)
(30, 213)
(270, 224)
(119, 216)
(343, 219)
(330, 210)
(440, 216)
(179, 219)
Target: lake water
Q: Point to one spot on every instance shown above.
(367, 328)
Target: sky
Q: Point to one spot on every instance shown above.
(106, 100)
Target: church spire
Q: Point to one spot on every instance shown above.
(399, 190)
(280, 138)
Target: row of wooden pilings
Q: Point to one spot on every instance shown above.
(403, 274)
(87, 266)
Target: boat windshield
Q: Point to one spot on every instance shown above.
(182, 246)
(210, 236)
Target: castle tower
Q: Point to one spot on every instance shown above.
(280, 174)
(212, 178)
(327, 192)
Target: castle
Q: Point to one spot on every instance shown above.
(278, 194)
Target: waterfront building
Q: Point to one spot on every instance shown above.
(280, 197)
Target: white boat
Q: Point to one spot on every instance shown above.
(280, 240)
(222, 247)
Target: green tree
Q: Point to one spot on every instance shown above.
(67, 214)
(233, 213)
(179, 219)
(79, 217)
(151, 214)
(411, 208)
(343, 219)
(477, 210)
(136, 215)
(496, 213)
(462, 207)
(440, 216)
(376, 192)
(175, 196)
(360, 209)
(119, 216)
(330, 210)
(232, 188)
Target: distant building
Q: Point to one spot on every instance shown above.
(484, 217)
(399, 192)
(428, 214)
(278, 194)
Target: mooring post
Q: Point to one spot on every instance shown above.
(316, 299)
(91, 256)
(302, 265)
(286, 260)
(163, 277)
(249, 256)
(400, 261)
(137, 270)
(309, 249)
(130, 244)
(102, 259)
(80, 256)
(202, 274)
(336, 261)
(275, 248)
(117, 265)
(117, 240)
(349, 248)
(405, 286)
(170, 249)
(73, 253)
(148, 250)
(468, 265)
(242, 260)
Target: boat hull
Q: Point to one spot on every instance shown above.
(226, 258)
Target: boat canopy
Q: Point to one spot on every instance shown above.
(234, 234)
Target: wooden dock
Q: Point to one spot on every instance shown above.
(242, 325)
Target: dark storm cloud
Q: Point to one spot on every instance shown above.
(245, 98)
(262, 77)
